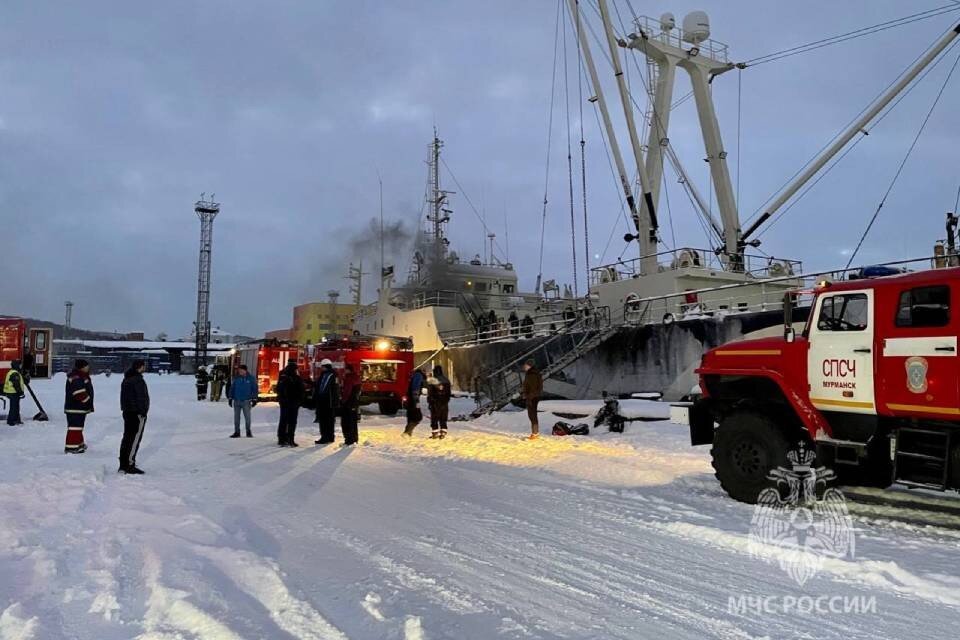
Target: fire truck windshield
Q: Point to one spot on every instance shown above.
(379, 370)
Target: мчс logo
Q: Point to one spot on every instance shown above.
(794, 528)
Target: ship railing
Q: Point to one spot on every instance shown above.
(693, 258)
(529, 327)
(651, 28)
(699, 303)
(455, 299)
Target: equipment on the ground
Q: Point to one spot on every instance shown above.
(872, 384)
(562, 428)
(41, 416)
(609, 414)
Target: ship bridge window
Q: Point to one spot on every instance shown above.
(843, 313)
(507, 288)
(924, 307)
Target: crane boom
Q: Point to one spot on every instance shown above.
(879, 104)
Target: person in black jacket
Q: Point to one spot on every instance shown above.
(203, 378)
(290, 396)
(134, 405)
(438, 399)
(350, 392)
(326, 393)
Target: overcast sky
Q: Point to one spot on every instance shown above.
(115, 116)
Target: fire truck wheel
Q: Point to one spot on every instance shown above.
(389, 407)
(746, 447)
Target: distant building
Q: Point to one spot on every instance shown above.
(314, 321)
(219, 336)
(116, 355)
(282, 335)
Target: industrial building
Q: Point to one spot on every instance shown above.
(314, 321)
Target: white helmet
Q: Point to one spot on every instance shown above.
(326, 362)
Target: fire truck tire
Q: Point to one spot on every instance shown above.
(746, 447)
(389, 407)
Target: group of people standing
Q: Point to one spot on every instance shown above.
(438, 401)
(134, 406)
(439, 392)
(333, 396)
(216, 379)
(493, 326)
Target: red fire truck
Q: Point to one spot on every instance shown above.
(265, 359)
(13, 331)
(384, 364)
(872, 382)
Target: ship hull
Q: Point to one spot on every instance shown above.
(652, 358)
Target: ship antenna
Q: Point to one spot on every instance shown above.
(382, 260)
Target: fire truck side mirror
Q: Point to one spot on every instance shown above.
(789, 334)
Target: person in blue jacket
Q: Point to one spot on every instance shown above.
(418, 381)
(242, 394)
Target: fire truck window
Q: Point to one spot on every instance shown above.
(843, 313)
(924, 307)
(378, 372)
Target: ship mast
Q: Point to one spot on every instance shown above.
(439, 215)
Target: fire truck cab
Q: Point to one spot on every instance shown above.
(873, 382)
(383, 363)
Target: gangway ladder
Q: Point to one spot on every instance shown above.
(921, 457)
(559, 351)
(471, 307)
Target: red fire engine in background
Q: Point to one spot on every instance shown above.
(13, 331)
(265, 359)
(383, 363)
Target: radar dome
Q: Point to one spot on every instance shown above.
(696, 27)
(667, 21)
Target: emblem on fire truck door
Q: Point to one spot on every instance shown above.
(916, 374)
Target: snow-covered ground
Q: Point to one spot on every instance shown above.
(483, 535)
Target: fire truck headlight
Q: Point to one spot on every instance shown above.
(383, 345)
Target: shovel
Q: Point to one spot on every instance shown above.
(42, 415)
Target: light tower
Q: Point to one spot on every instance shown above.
(68, 319)
(206, 210)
